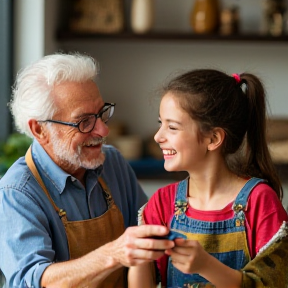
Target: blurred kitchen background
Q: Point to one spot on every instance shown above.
(139, 44)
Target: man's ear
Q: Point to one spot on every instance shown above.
(217, 138)
(38, 131)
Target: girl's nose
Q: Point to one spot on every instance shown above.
(157, 137)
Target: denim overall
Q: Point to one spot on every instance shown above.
(226, 240)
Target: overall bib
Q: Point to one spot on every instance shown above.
(226, 240)
(87, 235)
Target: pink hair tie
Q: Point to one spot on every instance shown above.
(237, 77)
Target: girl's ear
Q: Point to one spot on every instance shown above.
(38, 131)
(217, 138)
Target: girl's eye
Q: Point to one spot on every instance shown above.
(172, 127)
(159, 123)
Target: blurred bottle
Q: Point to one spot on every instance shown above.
(229, 21)
(142, 15)
(273, 19)
(204, 16)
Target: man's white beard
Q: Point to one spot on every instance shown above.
(73, 159)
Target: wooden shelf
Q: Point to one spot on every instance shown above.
(167, 36)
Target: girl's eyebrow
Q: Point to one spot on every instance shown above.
(173, 121)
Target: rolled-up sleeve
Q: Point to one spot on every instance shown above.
(26, 248)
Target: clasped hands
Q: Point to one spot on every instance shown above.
(146, 243)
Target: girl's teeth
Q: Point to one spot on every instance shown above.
(169, 152)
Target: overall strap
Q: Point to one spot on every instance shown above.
(241, 199)
(181, 194)
(181, 203)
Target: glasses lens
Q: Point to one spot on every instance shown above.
(87, 124)
(107, 113)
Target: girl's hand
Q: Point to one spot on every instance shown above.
(188, 256)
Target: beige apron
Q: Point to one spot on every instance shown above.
(87, 235)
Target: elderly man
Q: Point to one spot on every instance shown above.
(65, 207)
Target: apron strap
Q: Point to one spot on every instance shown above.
(106, 191)
(32, 167)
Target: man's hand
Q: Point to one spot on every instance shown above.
(137, 246)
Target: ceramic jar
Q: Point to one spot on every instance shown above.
(204, 16)
(142, 15)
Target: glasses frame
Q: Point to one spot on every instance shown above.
(77, 124)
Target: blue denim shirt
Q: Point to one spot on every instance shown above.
(32, 234)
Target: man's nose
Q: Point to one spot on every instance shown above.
(100, 128)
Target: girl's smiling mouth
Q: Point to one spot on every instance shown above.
(169, 151)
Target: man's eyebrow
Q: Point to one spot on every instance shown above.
(81, 116)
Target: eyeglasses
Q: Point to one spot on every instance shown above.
(87, 124)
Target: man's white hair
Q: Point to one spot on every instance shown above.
(32, 93)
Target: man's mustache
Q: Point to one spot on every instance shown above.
(95, 141)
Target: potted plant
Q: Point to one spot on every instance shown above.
(13, 148)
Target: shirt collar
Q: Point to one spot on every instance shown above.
(53, 173)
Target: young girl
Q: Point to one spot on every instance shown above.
(212, 125)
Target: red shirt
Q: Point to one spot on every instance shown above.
(264, 216)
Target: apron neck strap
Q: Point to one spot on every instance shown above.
(32, 167)
(106, 192)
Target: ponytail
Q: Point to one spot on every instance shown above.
(258, 159)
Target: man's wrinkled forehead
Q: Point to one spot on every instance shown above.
(77, 98)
